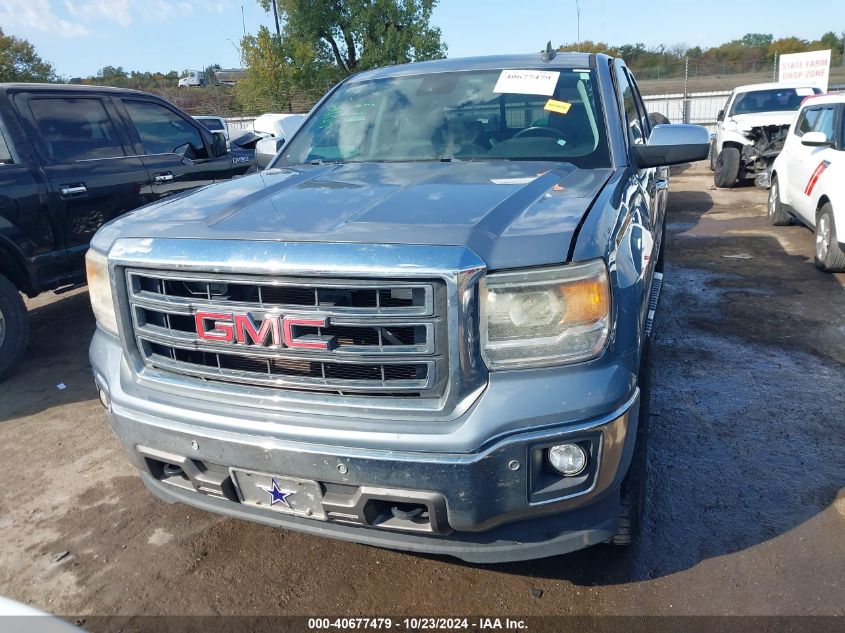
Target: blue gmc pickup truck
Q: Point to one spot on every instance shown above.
(425, 326)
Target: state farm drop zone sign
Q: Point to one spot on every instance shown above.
(811, 69)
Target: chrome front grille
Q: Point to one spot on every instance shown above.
(384, 337)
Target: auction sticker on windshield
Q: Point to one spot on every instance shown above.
(561, 107)
(527, 82)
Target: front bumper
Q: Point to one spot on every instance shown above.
(497, 503)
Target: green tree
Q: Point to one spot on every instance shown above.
(322, 41)
(360, 34)
(111, 73)
(210, 75)
(20, 62)
(756, 40)
(788, 45)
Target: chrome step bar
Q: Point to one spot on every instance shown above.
(654, 298)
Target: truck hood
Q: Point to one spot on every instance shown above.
(511, 214)
(761, 119)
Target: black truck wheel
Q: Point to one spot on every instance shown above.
(632, 493)
(14, 327)
(727, 168)
(829, 256)
(777, 214)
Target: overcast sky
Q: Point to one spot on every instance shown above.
(81, 36)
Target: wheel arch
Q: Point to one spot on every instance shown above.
(733, 144)
(823, 200)
(13, 265)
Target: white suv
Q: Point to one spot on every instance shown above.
(808, 177)
(751, 130)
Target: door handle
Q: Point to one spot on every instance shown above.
(73, 190)
(165, 177)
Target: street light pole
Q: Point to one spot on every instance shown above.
(578, 13)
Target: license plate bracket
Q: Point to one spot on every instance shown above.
(279, 493)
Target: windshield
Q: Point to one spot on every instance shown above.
(775, 100)
(469, 115)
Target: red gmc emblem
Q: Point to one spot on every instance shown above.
(280, 329)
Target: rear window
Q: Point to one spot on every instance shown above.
(75, 129)
(467, 115)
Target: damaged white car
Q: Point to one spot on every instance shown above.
(751, 131)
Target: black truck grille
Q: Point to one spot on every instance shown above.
(358, 337)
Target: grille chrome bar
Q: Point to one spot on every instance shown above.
(183, 305)
(185, 340)
(213, 372)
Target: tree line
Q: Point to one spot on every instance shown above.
(751, 53)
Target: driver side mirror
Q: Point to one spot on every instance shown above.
(266, 150)
(816, 139)
(673, 145)
(720, 116)
(219, 145)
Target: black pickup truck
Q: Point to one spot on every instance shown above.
(73, 158)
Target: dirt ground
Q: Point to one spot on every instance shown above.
(746, 507)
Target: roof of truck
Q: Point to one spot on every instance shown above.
(26, 87)
(496, 62)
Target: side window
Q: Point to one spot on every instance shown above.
(841, 145)
(629, 104)
(75, 129)
(5, 152)
(826, 122)
(806, 120)
(638, 99)
(162, 131)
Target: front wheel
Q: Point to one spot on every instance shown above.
(727, 168)
(14, 327)
(778, 216)
(829, 256)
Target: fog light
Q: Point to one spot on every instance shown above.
(104, 399)
(568, 459)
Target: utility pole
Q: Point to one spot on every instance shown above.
(578, 13)
(775, 69)
(686, 92)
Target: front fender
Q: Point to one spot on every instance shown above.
(734, 137)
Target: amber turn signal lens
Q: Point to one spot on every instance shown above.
(586, 300)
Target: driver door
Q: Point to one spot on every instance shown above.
(173, 149)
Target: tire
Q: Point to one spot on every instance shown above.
(727, 168)
(829, 256)
(778, 215)
(712, 156)
(14, 327)
(633, 490)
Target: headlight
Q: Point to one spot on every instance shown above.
(99, 289)
(544, 317)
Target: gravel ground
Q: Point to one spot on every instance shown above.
(746, 506)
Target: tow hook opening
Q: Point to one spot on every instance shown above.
(409, 511)
(395, 515)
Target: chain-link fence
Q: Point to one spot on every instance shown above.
(699, 108)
